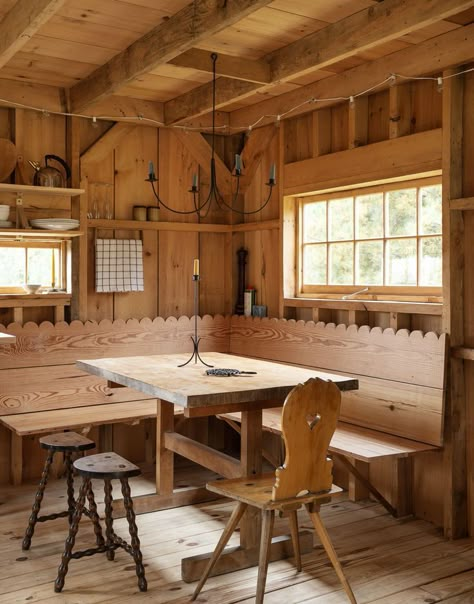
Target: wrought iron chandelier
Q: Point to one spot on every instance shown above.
(202, 209)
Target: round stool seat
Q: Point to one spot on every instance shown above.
(66, 441)
(106, 465)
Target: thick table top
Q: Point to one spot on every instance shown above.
(190, 387)
(6, 338)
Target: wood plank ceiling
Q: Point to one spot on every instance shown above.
(159, 50)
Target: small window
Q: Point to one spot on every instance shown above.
(32, 262)
(387, 239)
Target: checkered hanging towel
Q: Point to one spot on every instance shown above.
(119, 265)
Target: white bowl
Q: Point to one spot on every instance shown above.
(4, 212)
(32, 288)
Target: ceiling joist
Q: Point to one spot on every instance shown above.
(182, 31)
(22, 21)
(453, 48)
(376, 25)
(226, 65)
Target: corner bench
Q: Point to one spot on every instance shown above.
(42, 390)
(396, 414)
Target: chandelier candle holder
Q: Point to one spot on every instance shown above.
(202, 208)
(195, 355)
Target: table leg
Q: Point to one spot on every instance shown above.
(164, 457)
(251, 464)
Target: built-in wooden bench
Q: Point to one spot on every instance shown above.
(398, 410)
(41, 389)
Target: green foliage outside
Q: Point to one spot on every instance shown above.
(407, 213)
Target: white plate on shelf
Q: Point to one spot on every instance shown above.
(55, 224)
(5, 224)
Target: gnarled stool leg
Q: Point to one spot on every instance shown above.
(63, 567)
(134, 540)
(37, 503)
(94, 516)
(71, 502)
(109, 530)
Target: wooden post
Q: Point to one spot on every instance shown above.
(164, 458)
(455, 486)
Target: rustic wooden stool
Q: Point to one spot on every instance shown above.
(105, 466)
(67, 443)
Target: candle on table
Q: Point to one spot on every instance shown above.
(196, 267)
(195, 181)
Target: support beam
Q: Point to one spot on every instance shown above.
(21, 23)
(359, 32)
(107, 142)
(415, 154)
(455, 485)
(453, 48)
(195, 22)
(226, 65)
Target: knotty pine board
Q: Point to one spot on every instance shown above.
(63, 343)
(130, 169)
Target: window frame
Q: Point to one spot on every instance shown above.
(59, 271)
(381, 292)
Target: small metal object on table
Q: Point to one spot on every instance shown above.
(195, 355)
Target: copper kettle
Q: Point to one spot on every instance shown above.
(48, 176)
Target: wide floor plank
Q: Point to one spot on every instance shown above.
(386, 560)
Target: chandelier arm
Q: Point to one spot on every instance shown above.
(243, 212)
(161, 202)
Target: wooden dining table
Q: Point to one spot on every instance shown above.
(7, 338)
(202, 395)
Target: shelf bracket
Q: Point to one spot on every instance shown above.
(21, 221)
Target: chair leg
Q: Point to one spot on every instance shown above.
(71, 503)
(109, 521)
(37, 503)
(71, 539)
(226, 535)
(94, 516)
(331, 552)
(293, 518)
(265, 544)
(134, 540)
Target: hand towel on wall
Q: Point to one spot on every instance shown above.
(119, 265)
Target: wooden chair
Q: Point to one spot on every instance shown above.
(309, 419)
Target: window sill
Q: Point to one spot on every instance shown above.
(419, 308)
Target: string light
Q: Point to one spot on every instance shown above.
(391, 80)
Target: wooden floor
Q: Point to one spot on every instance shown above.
(387, 561)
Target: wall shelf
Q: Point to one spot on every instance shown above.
(13, 233)
(28, 189)
(197, 227)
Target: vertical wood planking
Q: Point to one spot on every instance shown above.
(131, 156)
(400, 101)
(378, 106)
(358, 122)
(455, 511)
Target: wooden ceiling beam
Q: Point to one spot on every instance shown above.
(115, 108)
(21, 22)
(182, 31)
(376, 25)
(226, 65)
(361, 31)
(453, 48)
(198, 101)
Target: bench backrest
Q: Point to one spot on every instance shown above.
(401, 376)
(38, 372)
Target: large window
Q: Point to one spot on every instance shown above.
(386, 239)
(35, 262)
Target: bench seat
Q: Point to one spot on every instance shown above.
(40, 422)
(350, 440)
(355, 447)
